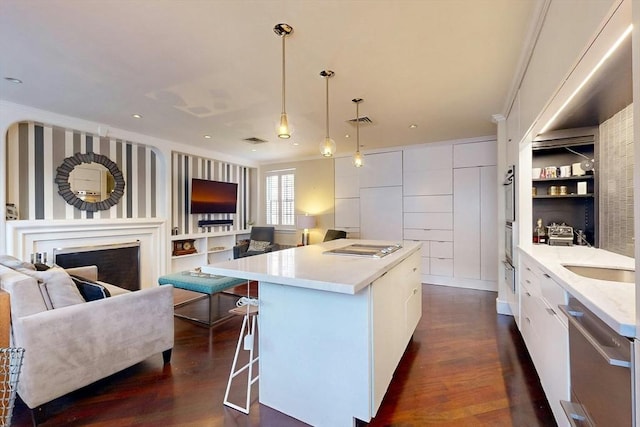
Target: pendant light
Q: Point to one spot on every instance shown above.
(328, 145)
(283, 129)
(358, 159)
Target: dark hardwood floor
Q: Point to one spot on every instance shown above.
(466, 366)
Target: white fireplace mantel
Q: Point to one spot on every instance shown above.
(26, 237)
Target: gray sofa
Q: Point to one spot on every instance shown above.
(73, 346)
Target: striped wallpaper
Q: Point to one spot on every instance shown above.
(185, 167)
(35, 150)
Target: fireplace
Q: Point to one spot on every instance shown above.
(28, 237)
(118, 264)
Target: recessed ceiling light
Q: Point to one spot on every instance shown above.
(296, 144)
(413, 126)
(347, 136)
(207, 137)
(254, 149)
(13, 80)
(136, 116)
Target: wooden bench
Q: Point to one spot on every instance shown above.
(200, 286)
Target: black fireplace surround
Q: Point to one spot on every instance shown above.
(118, 264)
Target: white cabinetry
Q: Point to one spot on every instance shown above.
(396, 310)
(211, 248)
(475, 154)
(347, 196)
(428, 207)
(381, 213)
(381, 170)
(545, 332)
(475, 225)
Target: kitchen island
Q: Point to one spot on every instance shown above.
(332, 328)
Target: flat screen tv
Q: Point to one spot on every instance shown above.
(209, 197)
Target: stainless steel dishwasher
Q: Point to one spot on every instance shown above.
(601, 364)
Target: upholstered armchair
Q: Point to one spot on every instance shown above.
(261, 241)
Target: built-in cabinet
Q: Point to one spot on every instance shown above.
(396, 310)
(210, 248)
(474, 223)
(570, 194)
(545, 332)
(442, 195)
(428, 206)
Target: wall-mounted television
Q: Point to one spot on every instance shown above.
(208, 197)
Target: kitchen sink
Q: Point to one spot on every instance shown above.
(603, 273)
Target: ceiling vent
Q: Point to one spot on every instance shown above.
(255, 140)
(363, 121)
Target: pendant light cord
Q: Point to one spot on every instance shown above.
(327, 106)
(283, 75)
(357, 128)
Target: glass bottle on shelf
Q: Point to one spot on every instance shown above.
(539, 235)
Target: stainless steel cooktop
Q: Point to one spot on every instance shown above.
(369, 251)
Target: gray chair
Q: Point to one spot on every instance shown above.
(334, 234)
(258, 234)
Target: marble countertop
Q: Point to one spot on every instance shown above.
(309, 267)
(613, 302)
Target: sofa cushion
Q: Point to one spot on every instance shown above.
(89, 289)
(57, 287)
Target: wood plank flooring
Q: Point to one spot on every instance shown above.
(466, 366)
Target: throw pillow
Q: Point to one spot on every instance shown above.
(257, 246)
(89, 289)
(14, 263)
(57, 288)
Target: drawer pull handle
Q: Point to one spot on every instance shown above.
(528, 294)
(415, 269)
(546, 275)
(415, 291)
(528, 320)
(527, 280)
(551, 312)
(610, 354)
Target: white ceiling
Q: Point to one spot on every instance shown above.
(196, 67)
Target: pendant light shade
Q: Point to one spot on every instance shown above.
(328, 145)
(358, 159)
(283, 129)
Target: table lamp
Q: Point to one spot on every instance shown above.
(306, 222)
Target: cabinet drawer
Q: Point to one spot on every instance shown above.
(529, 280)
(553, 293)
(442, 266)
(441, 249)
(429, 220)
(428, 203)
(421, 234)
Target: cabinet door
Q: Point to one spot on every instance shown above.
(429, 220)
(428, 182)
(381, 213)
(466, 223)
(428, 158)
(475, 154)
(489, 223)
(381, 170)
(347, 178)
(347, 212)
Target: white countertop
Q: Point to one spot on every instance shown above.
(308, 266)
(613, 302)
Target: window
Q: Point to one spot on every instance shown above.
(280, 198)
